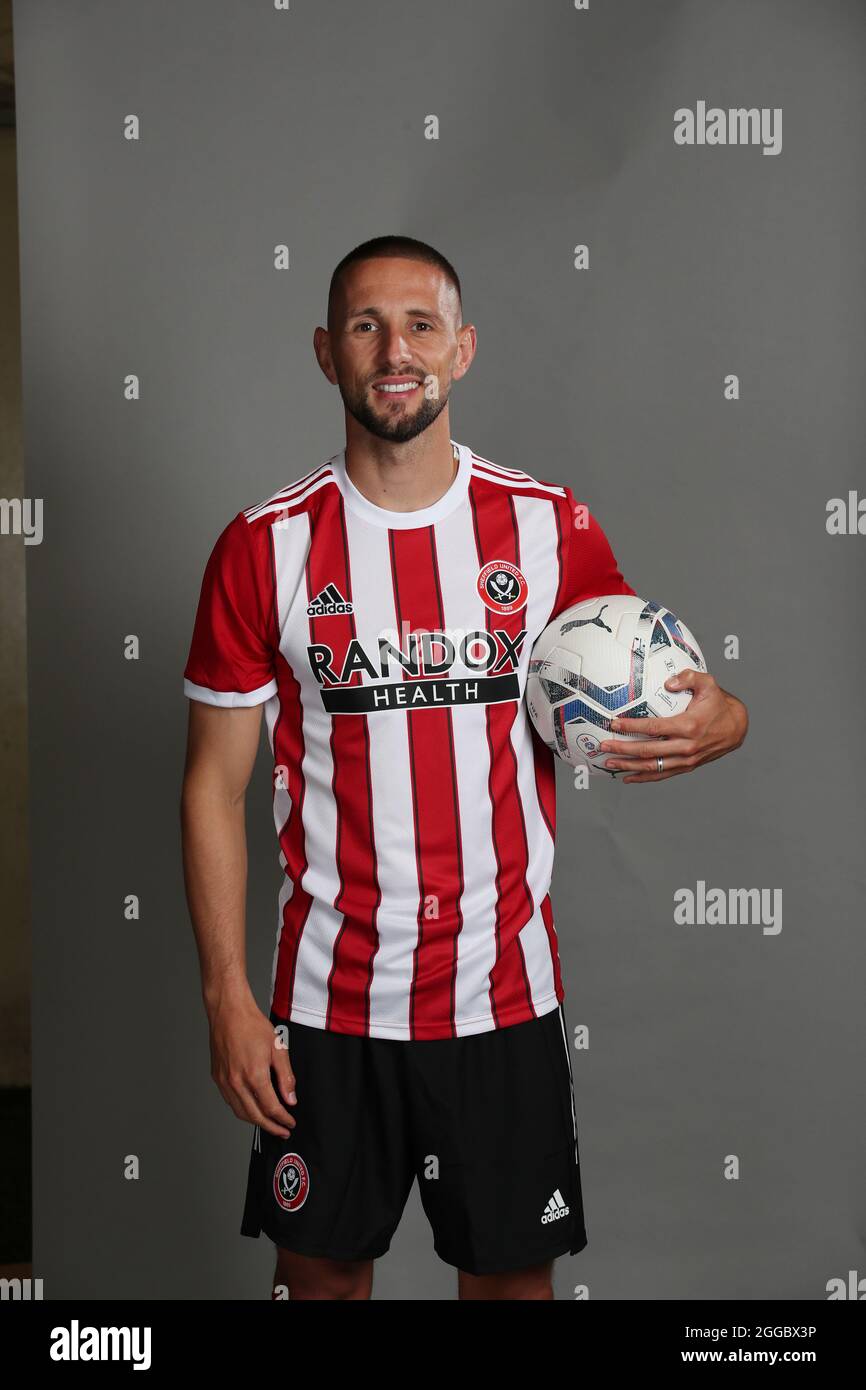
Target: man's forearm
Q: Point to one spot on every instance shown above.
(740, 713)
(215, 873)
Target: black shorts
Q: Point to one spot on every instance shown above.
(486, 1123)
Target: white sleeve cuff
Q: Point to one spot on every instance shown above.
(229, 699)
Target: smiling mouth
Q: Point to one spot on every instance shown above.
(396, 388)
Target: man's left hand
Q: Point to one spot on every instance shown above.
(715, 723)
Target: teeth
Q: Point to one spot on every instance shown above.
(410, 386)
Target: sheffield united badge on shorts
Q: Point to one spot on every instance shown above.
(502, 586)
(291, 1182)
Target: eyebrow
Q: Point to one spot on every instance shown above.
(377, 313)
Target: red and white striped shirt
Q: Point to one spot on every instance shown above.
(414, 802)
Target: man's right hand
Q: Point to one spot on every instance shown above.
(245, 1055)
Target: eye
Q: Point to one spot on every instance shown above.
(366, 324)
(421, 324)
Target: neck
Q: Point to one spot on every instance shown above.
(403, 477)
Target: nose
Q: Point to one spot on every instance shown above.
(394, 349)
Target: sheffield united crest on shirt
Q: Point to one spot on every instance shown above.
(502, 586)
(291, 1182)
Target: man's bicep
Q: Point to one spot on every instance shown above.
(595, 570)
(591, 568)
(222, 745)
(232, 656)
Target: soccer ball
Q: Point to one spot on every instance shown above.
(605, 657)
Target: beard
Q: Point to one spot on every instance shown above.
(399, 426)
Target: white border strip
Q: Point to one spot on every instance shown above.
(229, 699)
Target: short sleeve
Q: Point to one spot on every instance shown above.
(232, 655)
(589, 565)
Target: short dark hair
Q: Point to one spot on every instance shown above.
(405, 247)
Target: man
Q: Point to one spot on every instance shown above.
(381, 609)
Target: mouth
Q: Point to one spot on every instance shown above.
(397, 387)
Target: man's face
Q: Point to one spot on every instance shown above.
(393, 345)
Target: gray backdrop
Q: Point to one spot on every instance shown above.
(155, 257)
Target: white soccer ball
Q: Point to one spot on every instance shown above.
(603, 658)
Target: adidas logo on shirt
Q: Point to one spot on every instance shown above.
(555, 1209)
(330, 600)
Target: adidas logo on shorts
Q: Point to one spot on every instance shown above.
(555, 1210)
(330, 600)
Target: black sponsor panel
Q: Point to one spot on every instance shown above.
(422, 694)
